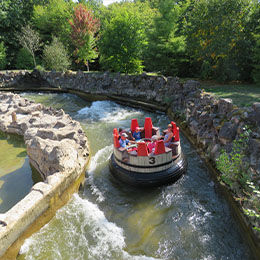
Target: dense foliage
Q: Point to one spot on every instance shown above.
(217, 38)
(209, 39)
(13, 15)
(2, 56)
(24, 59)
(166, 49)
(255, 29)
(52, 20)
(122, 40)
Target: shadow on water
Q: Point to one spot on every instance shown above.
(16, 175)
(12, 139)
(17, 184)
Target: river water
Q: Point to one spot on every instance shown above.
(110, 221)
(16, 175)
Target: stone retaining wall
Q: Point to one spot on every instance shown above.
(213, 123)
(56, 146)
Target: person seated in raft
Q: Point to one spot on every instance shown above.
(168, 136)
(151, 145)
(120, 131)
(137, 134)
(124, 141)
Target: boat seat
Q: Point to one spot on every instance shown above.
(159, 147)
(148, 128)
(115, 132)
(142, 149)
(116, 140)
(177, 135)
(134, 124)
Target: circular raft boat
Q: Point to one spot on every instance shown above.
(136, 166)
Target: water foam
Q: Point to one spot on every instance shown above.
(100, 157)
(80, 230)
(106, 111)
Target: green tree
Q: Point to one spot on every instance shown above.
(2, 56)
(52, 20)
(122, 39)
(95, 5)
(13, 15)
(84, 26)
(55, 56)
(30, 40)
(254, 28)
(166, 49)
(217, 38)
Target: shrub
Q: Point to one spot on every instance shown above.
(2, 56)
(254, 201)
(234, 171)
(55, 56)
(40, 68)
(24, 59)
(233, 167)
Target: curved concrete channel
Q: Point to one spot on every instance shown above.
(41, 189)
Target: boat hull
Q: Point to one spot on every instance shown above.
(138, 179)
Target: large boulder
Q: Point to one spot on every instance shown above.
(225, 106)
(254, 115)
(227, 133)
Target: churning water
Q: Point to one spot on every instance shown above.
(110, 221)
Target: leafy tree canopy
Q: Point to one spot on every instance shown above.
(166, 49)
(2, 56)
(52, 20)
(217, 38)
(13, 15)
(123, 37)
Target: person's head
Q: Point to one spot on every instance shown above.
(123, 136)
(154, 138)
(120, 129)
(137, 129)
(170, 127)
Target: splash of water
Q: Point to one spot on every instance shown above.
(106, 111)
(99, 158)
(83, 233)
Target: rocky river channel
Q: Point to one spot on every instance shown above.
(106, 220)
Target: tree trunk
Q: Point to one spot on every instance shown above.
(34, 60)
(87, 65)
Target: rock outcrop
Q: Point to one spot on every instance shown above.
(56, 146)
(55, 142)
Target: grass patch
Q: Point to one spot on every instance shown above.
(241, 94)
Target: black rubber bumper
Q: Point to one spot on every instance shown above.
(149, 179)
